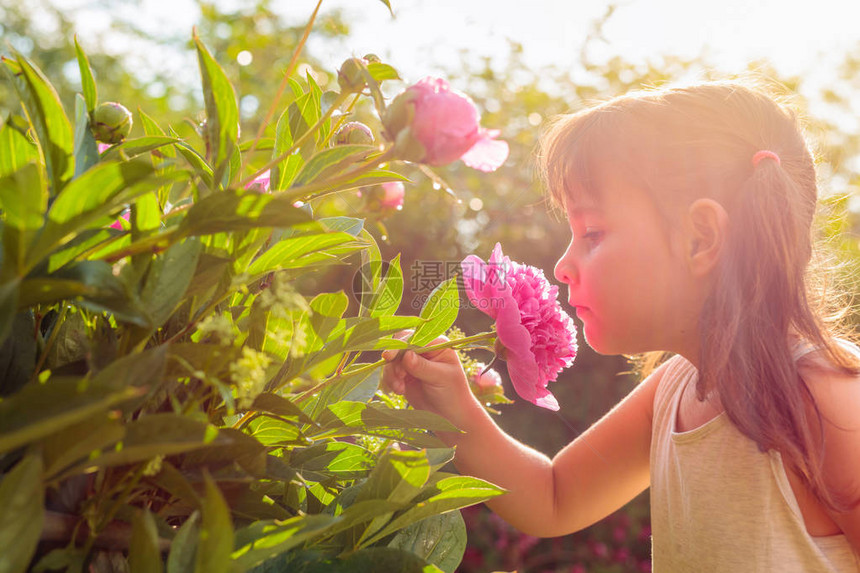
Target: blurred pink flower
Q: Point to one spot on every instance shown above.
(261, 183)
(446, 124)
(103, 147)
(393, 195)
(118, 223)
(537, 336)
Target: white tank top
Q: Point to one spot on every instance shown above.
(719, 504)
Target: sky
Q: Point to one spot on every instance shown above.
(798, 37)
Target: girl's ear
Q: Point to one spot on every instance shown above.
(708, 224)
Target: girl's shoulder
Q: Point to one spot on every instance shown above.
(835, 389)
(837, 397)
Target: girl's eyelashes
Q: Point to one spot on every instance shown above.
(592, 236)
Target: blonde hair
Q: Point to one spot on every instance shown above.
(682, 144)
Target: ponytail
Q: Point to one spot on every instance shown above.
(760, 299)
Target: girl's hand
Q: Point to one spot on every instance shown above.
(432, 380)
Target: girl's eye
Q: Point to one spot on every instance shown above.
(593, 236)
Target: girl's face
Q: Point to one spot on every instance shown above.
(626, 275)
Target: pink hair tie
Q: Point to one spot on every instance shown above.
(764, 154)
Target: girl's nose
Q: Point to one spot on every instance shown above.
(565, 271)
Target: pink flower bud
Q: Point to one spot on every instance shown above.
(433, 124)
(488, 380)
(353, 133)
(111, 122)
(350, 76)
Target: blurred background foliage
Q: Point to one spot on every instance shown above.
(436, 228)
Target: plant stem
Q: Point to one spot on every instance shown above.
(290, 68)
(152, 244)
(51, 339)
(456, 343)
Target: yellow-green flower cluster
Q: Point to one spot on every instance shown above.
(281, 298)
(467, 361)
(153, 466)
(249, 375)
(218, 326)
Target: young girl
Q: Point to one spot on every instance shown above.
(690, 211)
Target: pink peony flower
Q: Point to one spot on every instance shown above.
(537, 336)
(393, 192)
(446, 126)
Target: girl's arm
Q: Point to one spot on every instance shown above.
(593, 476)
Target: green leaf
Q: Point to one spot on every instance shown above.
(42, 409)
(352, 225)
(328, 308)
(352, 388)
(375, 415)
(222, 112)
(88, 84)
(18, 354)
(168, 279)
(389, 559)
(340, 459)
(92, 283)
(438, 539)
(234, 210)
(21, 513)
(196, 161)
(8, 306)
(302, 114)
(331, 161)
(449, 494)
(183, 548)
(16, 150)
(299, 251)
(76, 442)
(268, 402)
(85, 242)
(144, 555)
(266, 539)
(440, 311)
(283, 174)
(139, 145)
(95, 194)
(216, 532)
(86, 148)
(23, 199)
(96, 188)
(373, 177)
(380, 71)
(397, 477)
(273, 432)
(46, 114)
(146, 215)
(387, 299)
(158, 434)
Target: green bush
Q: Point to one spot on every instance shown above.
(171, 397)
